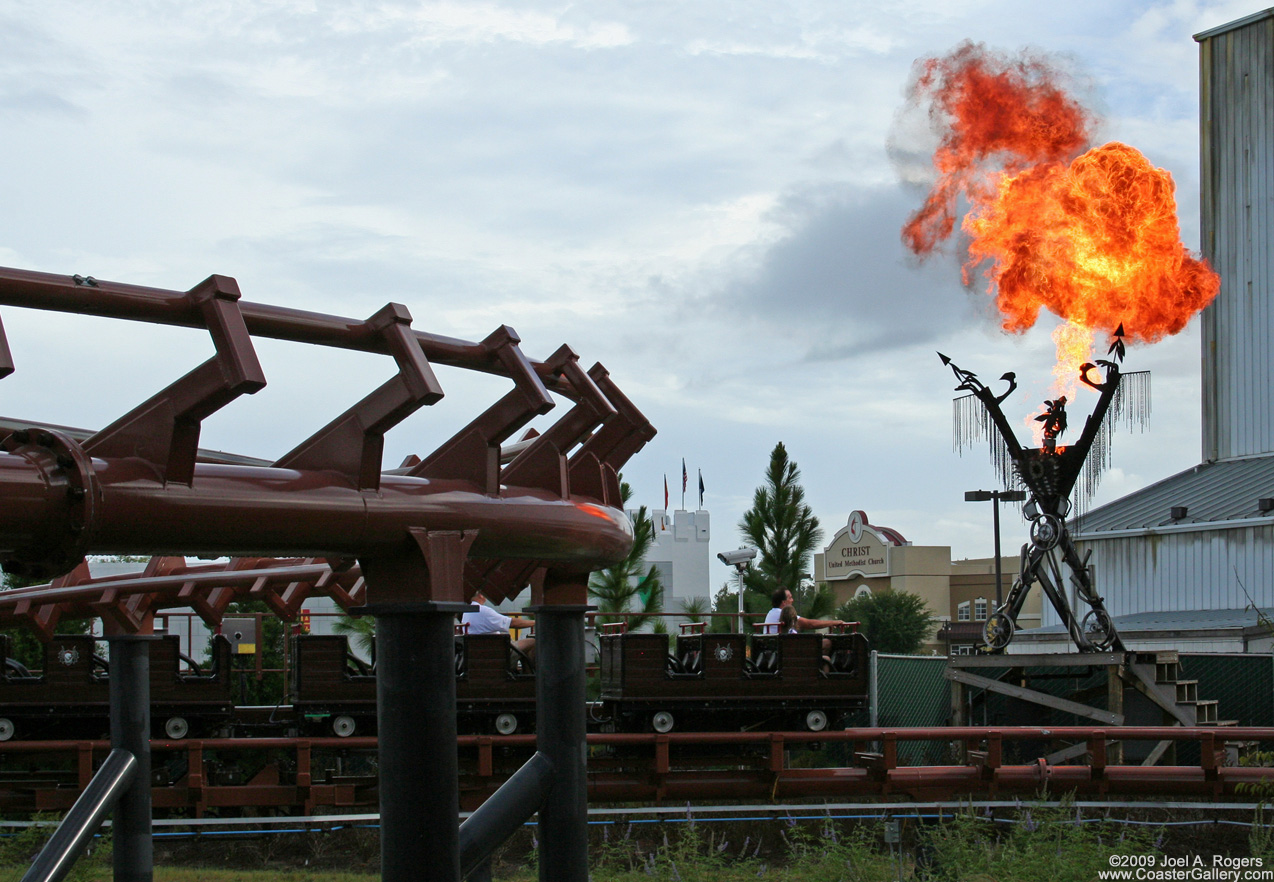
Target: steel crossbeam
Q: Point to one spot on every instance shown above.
(425, 536)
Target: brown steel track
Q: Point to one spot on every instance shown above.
(283, 585)
(645, 768)
(478, 512)
(510, 512)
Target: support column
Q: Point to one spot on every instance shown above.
(959, 712)
(1114, 704)
(561, 736)
(416, 717)
(134, 856)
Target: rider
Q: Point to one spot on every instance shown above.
(488, 621)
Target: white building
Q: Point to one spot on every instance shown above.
(680, 553)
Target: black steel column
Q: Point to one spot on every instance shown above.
(504, 812)
(560, 736)
(134, 855)
(81, 823)
(416, 715)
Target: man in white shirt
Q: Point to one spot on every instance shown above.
(783, 597)
(487, 620)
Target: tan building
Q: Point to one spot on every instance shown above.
(866, 558)
(972, 599)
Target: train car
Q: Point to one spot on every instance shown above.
(710, 682)
(716, 682)
(495, 686)
(332, 691)
(70, 697)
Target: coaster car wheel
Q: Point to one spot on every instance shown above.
(506, 723)
(343, 726)
(176, 728)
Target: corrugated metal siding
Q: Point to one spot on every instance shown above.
(1211, 492)
(1182, 571)
(1237, 156)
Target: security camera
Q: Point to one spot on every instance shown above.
(738, 558)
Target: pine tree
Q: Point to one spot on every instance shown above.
(785, 532)
(630, 582)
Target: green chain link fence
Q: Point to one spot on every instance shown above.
(1242, 685)
(910, 690)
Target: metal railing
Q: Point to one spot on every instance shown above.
(701, 765)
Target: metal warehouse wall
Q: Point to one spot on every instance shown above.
(1182, 571)
(1237, 180)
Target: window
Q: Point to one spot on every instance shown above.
(962, 612)
(979, 609)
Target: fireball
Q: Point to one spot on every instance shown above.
(1091, 235)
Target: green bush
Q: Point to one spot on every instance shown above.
(1039, 844)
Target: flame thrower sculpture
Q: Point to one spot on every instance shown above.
(1050, 474)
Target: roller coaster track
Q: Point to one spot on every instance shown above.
(140, 482)
(284, 585)
(476, 513)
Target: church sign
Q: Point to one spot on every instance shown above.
(857, 549)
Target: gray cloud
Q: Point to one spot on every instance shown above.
(39, 101)
(841, 275)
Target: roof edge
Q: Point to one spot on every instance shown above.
(1078, 519)
(1164, 529)
(1234, 25)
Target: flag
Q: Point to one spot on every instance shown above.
(665, 492)
(685, 479)
(701, 489)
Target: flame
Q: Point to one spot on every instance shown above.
(1091, 235)
(996, 115)
(1095, 242)
(1074, 345)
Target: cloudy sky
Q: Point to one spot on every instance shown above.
(699, 195)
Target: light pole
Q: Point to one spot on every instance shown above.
(995, 497)
(740, 558)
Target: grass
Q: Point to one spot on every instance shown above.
(1048, 844)
(102, 872)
